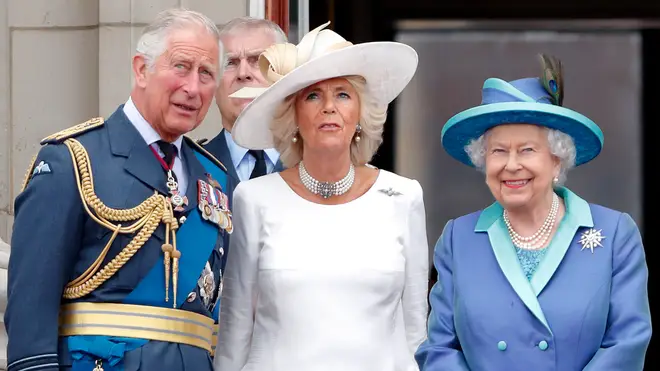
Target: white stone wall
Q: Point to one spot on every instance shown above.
(61, 63)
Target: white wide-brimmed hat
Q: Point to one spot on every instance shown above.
(322, 54)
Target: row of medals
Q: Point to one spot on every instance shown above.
(209, 212)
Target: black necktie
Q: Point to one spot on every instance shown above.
(260, 165)
(169, 150)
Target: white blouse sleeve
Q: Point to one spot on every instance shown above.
(239, 293)
(415, 293)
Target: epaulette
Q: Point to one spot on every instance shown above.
(197, 147)
(73, 131)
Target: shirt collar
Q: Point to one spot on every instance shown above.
(237, 152)
(145, 129)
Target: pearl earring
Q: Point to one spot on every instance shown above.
(358, 130)
(295, 136)
(555, 179)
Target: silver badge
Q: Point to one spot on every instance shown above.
(206, 284)
(590, 239)
(390, 192)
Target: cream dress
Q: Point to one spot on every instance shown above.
(311, 287)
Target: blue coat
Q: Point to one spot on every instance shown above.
(582, 310)
(54, 241)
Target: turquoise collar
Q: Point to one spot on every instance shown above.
(577, 211)
(578, 214)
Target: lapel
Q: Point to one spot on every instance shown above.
(126, 141)
(578, 214)
(194, 171)
(218, 148)
(490, 221)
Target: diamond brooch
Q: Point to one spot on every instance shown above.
(590, 239)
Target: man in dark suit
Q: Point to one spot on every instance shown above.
(243, 40)
(120, 228)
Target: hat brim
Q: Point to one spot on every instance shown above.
(386, 66)
(474, 122)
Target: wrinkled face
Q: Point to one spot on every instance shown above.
(327, 114)
(178, 91)
(241, 69)
(519, 165)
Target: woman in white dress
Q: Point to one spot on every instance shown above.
(328, 261)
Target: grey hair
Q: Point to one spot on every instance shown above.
(153, 42)
(372, 118)
(561, 146)
(250, 23)
(243, 23)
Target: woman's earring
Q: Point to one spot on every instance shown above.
(555, 180)
(295, 137)
(358, 130)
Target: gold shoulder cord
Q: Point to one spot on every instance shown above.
(146, 215)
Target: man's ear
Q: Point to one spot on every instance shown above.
(140, 71)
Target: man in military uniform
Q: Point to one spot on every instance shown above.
(244, 39)
(119, 230)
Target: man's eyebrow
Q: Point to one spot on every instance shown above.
(248, 53)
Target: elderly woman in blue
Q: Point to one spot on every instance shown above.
(541, 279)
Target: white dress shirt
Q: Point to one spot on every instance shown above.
(151, 137)
(244, 163)
(312, 287)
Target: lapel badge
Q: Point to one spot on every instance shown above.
(42, 168)
(590, 239)
(390, 192)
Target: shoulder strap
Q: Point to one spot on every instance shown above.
(73, 131)
(201, 150)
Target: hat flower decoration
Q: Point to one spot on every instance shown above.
(321, 54)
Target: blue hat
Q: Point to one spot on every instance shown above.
(526, 101)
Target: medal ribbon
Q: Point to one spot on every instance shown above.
(161, 161)
(171, 254)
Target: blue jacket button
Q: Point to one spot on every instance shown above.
(501, 345)
(543, 345)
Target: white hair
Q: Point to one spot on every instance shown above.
(153, 42)
(561, 146)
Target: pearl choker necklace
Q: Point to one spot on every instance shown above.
(537, 240)
(326, 189)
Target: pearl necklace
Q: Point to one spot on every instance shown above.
(326, 189)
(537, 240)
